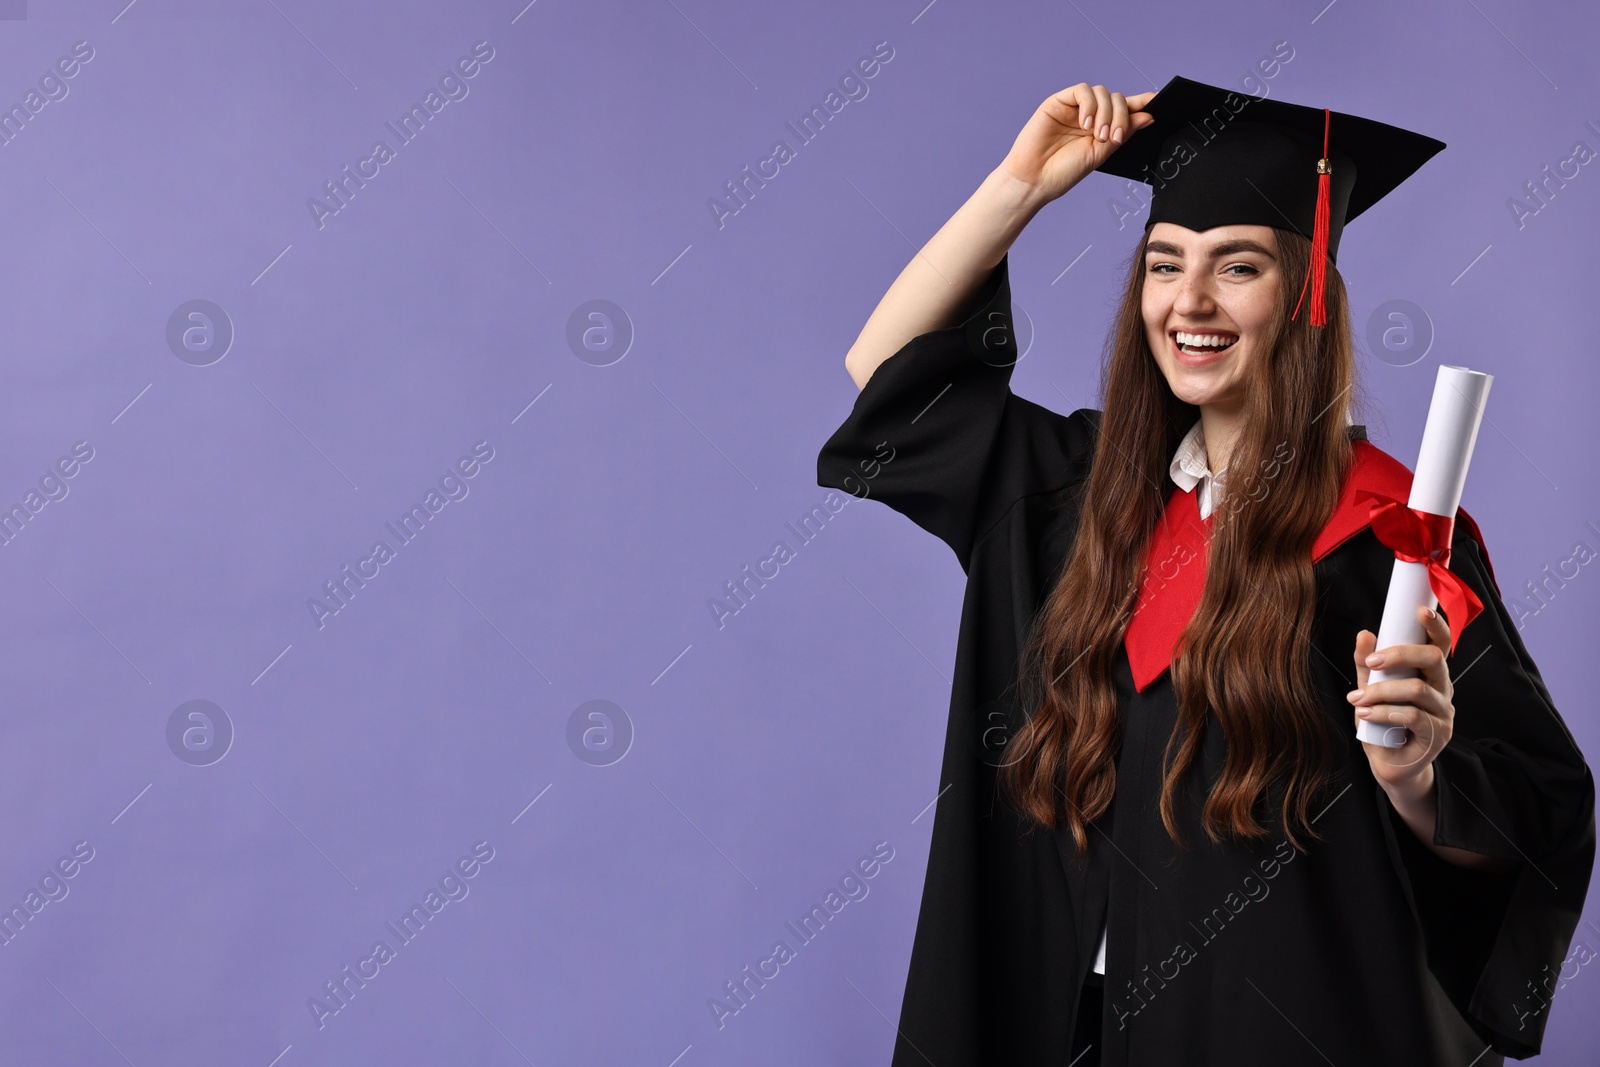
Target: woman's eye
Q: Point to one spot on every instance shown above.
(1238, 270)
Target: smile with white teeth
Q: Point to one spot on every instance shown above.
(1203, 342)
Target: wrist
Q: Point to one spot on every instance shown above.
(1412, 794)
(1014, 195)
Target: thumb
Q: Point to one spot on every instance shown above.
(1366, 644)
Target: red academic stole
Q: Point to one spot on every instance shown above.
(1175, 562)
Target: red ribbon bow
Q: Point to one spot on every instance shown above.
(1422, 537)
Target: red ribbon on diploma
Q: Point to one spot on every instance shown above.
(1422, 537)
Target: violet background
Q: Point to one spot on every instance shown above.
(767, 756)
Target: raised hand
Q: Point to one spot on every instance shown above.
(1072, 133)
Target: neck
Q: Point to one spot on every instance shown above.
(1221, 426)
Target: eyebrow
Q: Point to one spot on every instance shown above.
(1226, 248)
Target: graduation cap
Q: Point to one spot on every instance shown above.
(1215, 157)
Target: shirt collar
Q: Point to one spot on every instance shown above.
(1189, 464)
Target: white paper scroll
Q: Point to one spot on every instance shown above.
(1452, 428)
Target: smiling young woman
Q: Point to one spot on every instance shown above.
(1151, 722)
(1210, 303)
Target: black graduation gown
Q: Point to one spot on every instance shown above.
(1366, 950)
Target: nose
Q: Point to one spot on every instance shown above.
(1195, 296)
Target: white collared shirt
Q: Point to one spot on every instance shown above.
(1189, 469)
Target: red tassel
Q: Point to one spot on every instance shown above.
(1316, 275)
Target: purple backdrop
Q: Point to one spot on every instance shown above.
(523, 347)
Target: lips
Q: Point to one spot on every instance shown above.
(1195, 351)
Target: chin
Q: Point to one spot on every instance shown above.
(1197, 398)
(1199, 395)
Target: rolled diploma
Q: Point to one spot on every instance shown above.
(1447, 439)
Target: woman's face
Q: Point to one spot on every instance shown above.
(1208, 286)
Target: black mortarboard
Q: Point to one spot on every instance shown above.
(1215, 157)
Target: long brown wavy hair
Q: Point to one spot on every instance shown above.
(1245, 653)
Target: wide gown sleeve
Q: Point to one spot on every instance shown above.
(1513, 784)
(938, 435)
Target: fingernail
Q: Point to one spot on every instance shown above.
(1432, 614)
(1363, 713)
(1353, 695)
(1116, 135)
(1105, 130)
(1374, 659)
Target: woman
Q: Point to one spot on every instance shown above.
(1150, 770)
